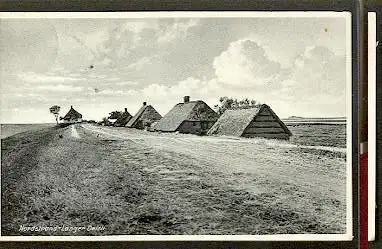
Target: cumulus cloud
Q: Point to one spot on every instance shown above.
(316, 74)
(189, 86)
(316, 79)
(317, 71)
(155, 91)
(245, 63)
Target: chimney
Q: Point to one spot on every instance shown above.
(71, 107)
(186, 99)
(125, 109)
(144, 103)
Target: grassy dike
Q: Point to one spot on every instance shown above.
(19, 158)
(108, 181)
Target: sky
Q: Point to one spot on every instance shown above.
(295, 65)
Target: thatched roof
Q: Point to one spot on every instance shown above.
(123, 119)
(72, 114)
(190, 111)
(234, 122)
(146, 113)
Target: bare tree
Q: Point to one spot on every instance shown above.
(55, 111)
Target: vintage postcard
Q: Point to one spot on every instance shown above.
(176, 126)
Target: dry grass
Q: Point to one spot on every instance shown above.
(144, 185)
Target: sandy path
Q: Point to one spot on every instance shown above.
(74, 132)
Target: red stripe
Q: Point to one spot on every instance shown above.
(363, 201)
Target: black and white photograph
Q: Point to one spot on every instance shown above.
(176, 125)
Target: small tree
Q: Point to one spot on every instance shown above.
(55, 110)
(226, 103)
(105, 121)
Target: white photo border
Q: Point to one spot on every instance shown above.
(347, 15)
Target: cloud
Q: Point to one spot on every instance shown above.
(190, 86)
(109, 92)
(155, 91)
(93, 39)
(136, 42)
(123, 51)
(127, 83)
(245, 63)
(113, 79)
(177, 30)
(315, 80)
(106, 62)
(137, 26)
(32, 77)
(317, 71)
(195, 88)
(60, 88)
(142, 63)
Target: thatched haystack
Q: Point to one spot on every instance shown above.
(144, 117)
(123, 119)
(194, 117)
(251, 122)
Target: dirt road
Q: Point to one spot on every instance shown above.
(135, 182)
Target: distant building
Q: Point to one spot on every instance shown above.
(123, 119)
(194, 117)
(144, 117)
(251, 122)
(72, 116)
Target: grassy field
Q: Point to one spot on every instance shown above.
(7, 130)
(319, 134)
(125, 181)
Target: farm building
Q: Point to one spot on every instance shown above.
(251, 122)
(194, 117)
(123, 119)
(72, 116)
(144, 117)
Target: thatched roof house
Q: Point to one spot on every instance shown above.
(72, 116)
(144, 117)
(251, 122)
(123, 119)
(194, 117)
